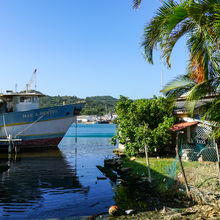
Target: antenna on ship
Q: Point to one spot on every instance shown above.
(16, 87)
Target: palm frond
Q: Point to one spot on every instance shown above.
(199, 91)
(203, 61)
(178, 87)
(178, 82)
(136, 4)
(154, 31)
(167, 46)
(211, 110)
(193, 91)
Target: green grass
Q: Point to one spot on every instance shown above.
(196, 172)
(160, 179)
(157, 165)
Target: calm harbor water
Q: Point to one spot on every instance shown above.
(60, 183)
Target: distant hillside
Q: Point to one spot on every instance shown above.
(99, 105)
(95, 105)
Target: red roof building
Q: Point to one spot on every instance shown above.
(182, 125)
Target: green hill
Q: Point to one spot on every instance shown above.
(95, 105)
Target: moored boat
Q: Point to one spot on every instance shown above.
(21, 118)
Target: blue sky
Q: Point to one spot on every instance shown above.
(82, 48)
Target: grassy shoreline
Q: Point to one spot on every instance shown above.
(173, 204)
(199, 174)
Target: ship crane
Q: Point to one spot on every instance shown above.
(29, 85)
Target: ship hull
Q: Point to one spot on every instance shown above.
(40, 127)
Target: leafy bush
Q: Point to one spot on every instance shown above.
(143, 122)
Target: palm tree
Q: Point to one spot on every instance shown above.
(199, 22)
(194, 20)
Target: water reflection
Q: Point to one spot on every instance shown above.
(60, 183)
(31, 175)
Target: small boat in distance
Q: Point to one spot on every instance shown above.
(21, 118)
(103, 122)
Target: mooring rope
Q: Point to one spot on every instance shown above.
(6, 133)
(29, 126)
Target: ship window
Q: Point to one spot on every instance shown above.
(25, 99)
(34, 99)
(16, 100)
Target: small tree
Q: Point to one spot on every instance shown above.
(143, 122)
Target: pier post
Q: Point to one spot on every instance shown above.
(9, 143)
